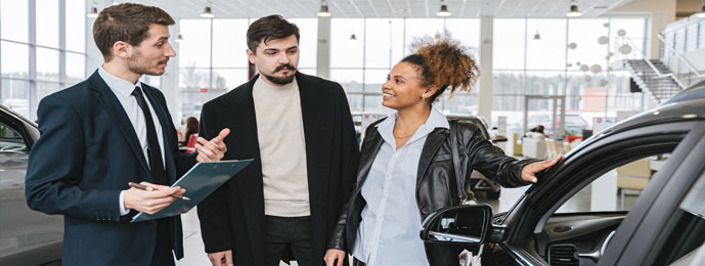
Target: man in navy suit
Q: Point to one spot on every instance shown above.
(105, 132)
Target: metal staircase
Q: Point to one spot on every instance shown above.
(653, 76)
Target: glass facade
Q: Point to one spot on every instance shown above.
(571, 58)
(42, 44)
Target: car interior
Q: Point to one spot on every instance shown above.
(577, 226)
(579, 230)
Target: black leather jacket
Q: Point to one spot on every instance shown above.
(436, 182)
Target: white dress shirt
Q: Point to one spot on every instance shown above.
(123, 91)
(389, 231)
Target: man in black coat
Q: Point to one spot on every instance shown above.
(299, 130)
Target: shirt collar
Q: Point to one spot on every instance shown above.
(120, 86)
(435, 120)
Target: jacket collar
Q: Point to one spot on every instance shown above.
(108, 99)
(373, 142)
(433, 143)
(106, 96)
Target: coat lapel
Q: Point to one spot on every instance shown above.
(311, 108)
(433, 142)
(108, 99)
(370, 148)
(243, 143)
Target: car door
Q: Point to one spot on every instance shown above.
(536, 234)
(670, 222)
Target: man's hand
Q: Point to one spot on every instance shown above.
(333, 255)
(213, 150)
(150, 201)
(223, 258)
(528, 173)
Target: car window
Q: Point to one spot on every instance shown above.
(10, 140)
(617, 189)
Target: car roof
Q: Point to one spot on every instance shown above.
(467, 117)
(479, 121)
(677, 111)
(693, 92)
(17, 116)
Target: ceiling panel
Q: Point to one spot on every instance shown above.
(382, 8)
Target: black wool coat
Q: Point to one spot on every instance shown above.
(232, 218)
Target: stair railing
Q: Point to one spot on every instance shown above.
(672, 53)
(651, 65)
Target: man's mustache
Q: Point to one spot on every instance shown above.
(287, 66)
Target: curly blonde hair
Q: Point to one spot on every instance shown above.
(444, 63)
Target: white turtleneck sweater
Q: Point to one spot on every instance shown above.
(282, 146)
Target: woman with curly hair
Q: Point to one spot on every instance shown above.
(408, 164)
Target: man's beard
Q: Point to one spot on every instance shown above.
(282, 80)
(136, 65)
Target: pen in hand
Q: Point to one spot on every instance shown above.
(143, 187)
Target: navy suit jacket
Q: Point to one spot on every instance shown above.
(87, 153)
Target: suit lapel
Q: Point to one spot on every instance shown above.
(108, 99)
(433, 142)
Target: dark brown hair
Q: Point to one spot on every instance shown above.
(272, 27)
(191, 124)
(128, 23)
(444, 63)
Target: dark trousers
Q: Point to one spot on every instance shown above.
(162, 248)
(356, 262)
(292, 233)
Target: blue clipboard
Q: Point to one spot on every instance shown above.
(200, 181)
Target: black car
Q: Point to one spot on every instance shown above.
(478, 181)
(616, 223)
(26, 237)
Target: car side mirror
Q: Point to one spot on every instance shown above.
(467, 224)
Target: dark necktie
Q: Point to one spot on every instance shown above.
(155, 152)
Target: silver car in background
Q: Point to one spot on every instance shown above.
(26, 237)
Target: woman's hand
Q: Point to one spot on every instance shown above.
(528, 173)
(333, 255)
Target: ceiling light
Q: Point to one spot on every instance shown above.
(444, 12)
(573, 12)
(207, 13)
(179, 38)
(353, 37)
(701, 14)
(323, 12)
(93, 13)
(537, 37)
